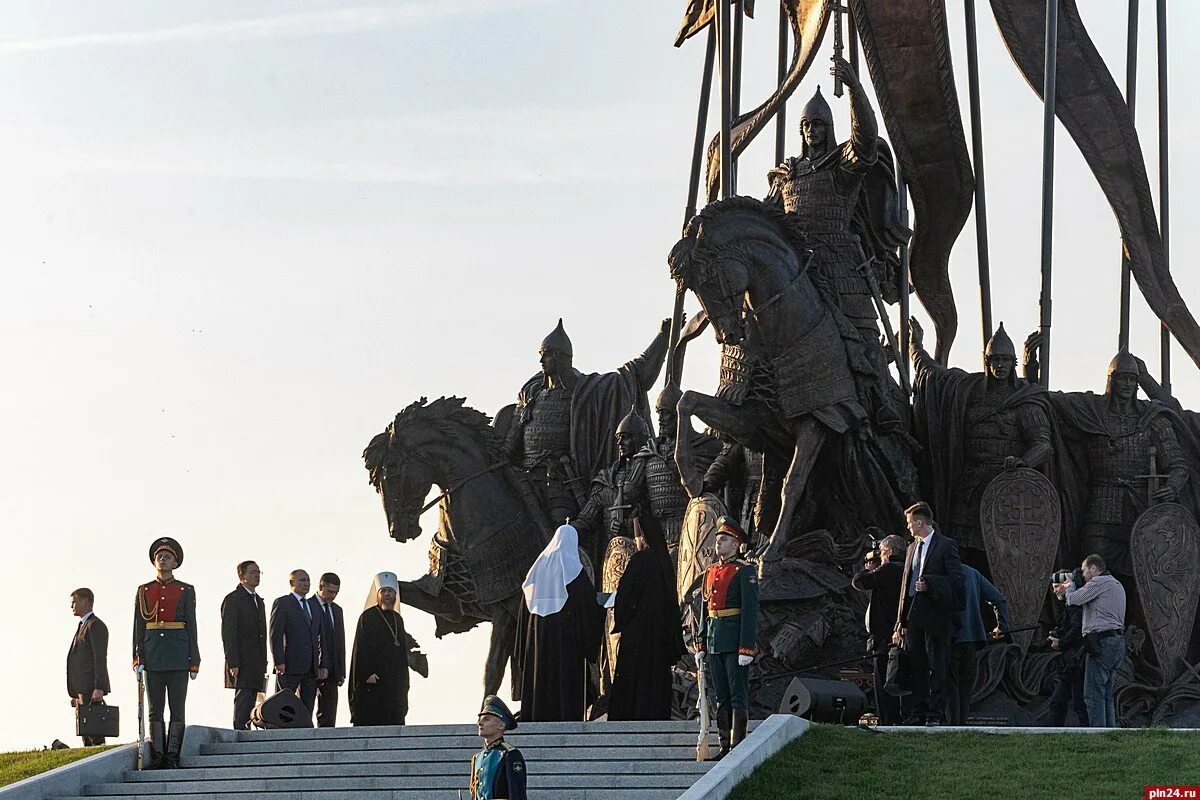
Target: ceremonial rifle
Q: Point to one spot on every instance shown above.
(141, 751)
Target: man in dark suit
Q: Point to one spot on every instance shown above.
(87, 659)
(332, 672)
(295, 640)
(931, 592)
(882, 579)
(244, 635)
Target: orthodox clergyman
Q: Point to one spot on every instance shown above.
(559, 628)
(382, 656)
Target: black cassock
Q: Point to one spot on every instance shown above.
(380, 648)
(554, 652)
(646, 614)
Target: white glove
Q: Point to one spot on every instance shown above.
(699, 659)
(139, 668)
(744, 661)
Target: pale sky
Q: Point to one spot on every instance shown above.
(240, 236)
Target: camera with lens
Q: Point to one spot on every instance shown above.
(1062, 576)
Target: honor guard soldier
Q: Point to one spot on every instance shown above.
(498, 770)
(165, 649)
(728, 631)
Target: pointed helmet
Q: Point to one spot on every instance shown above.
(1123, 363)
(633, 424)
(557, 341)
(1000, 345)
(817, 108)
(668, 398)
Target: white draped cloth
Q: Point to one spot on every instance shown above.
(545, 586)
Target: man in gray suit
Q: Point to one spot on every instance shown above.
(87, 659)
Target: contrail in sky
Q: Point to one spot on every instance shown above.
(314, 23)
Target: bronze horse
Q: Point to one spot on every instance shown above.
(788, 376)
(488, 527)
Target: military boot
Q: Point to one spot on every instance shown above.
(156, 758)
(740, 719)
(174, 744)
(723, 732)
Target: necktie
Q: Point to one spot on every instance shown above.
(918, 565)
(307, 610)
(328, 614)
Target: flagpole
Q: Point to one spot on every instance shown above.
(1049, 99)
(1131, 59)
(981, 226)
(1164, 169)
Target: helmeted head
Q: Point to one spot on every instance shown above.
(632, 433)
(556, 352)
(665, 406)
(816, 125)
(1000, 356)
(1123, 376)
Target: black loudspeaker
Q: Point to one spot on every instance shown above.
(818, 700)
(281, 710)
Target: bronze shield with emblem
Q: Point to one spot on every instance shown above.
(1165, 549)
(616, 559)
(696, 540)
(1020, 516)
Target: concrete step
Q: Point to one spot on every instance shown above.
(461, 755)
(257, 786)
(526, 728)
(533, 740)
(457, 767)
(424, 794)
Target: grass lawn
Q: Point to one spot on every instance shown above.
(835, 763)
(19, 766)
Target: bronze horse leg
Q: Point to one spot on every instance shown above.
(810, 435)
(735, 422)
(500, 651)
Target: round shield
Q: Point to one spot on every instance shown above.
(696, 538)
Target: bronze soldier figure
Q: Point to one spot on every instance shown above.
(844, 197)
(616, 491)
(1113, 436)
(561, 434)
(973, 426)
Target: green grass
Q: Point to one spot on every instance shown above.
(19, 766)
(835, 763)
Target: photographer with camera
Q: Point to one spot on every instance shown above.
(1102, 599)
(1067, 639)
(881, 575)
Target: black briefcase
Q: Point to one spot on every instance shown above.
(898, 676)
(97, 720)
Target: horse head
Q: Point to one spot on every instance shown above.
(726, 250)
(427, 444)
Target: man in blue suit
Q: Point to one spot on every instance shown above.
(295, 640)
(332, 671)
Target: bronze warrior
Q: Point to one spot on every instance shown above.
(973, 426)
(1116, 439)
(616, 491)
(561, 432)
(844, 197)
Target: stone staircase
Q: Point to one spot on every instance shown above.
(567, 761)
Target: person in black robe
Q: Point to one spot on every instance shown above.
(559, 629)
(646, 614)
(380, 661)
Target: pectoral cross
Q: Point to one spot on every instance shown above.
(837, 10)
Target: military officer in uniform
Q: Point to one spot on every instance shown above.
(165, 648)
(728, 631)
(498, 770)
